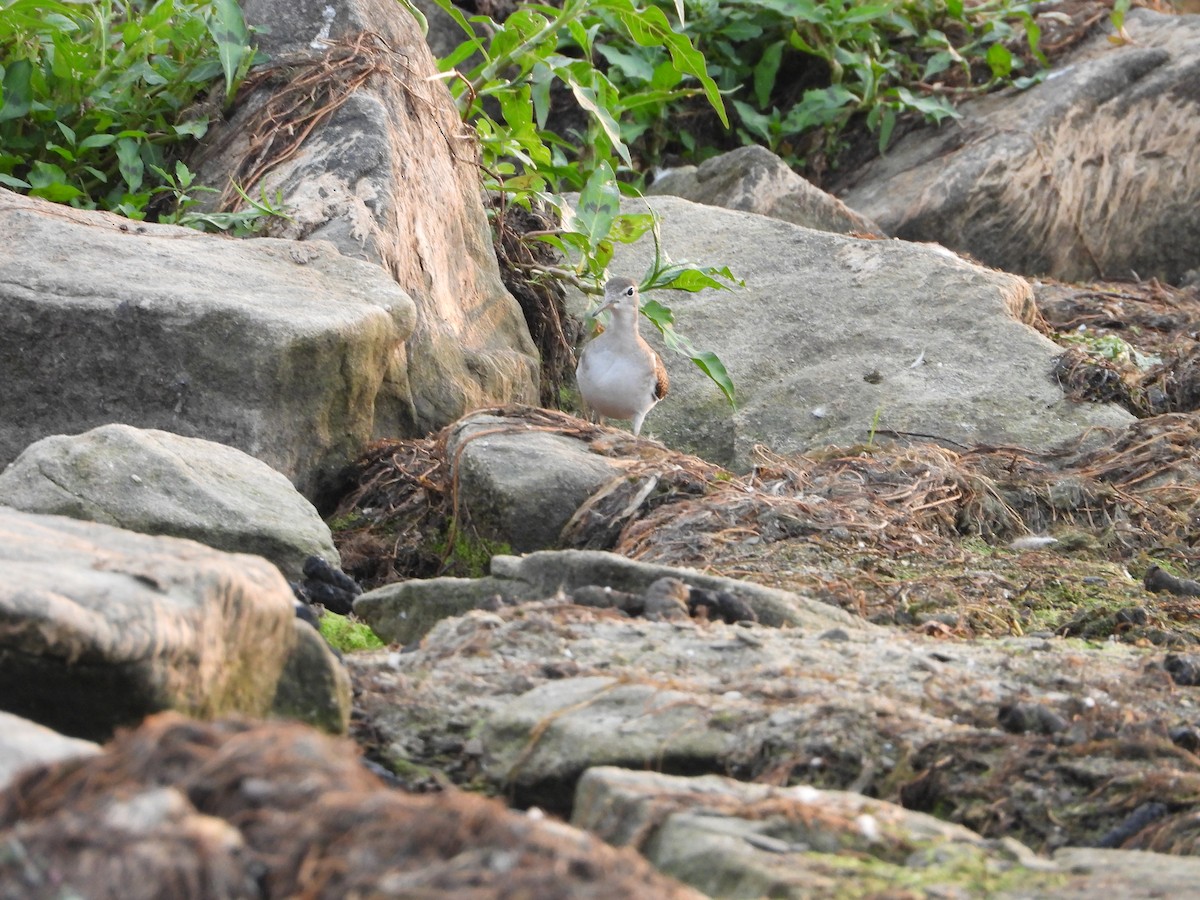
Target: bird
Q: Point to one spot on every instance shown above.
(619, 374)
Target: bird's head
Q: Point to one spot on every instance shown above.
(620, 296)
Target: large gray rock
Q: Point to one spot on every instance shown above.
(1091, 174)
(540, 743)
(520, 487)
(160, 483)
(390, 177)
(836, 340)
(103, 626)
(406, 611)
(277, 348)
(731, 839)
(753, 179)
(24, 743)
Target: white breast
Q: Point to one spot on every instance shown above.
(617, 377)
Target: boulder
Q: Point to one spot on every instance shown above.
(237, 809)
(24, 744)
(1090, 174)
(840, 341)
(313, 687)
(389, 174)
(277, 348)
(753, 179)
(730, 839)
(160, 483)
(406, 611)
(520, 487)
(103, 626)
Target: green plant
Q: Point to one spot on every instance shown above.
(870, 445)
(507, 94)
(799, 71)
(1109, 347)
(188, 211)
(348, 634)
(1117, 19)
(95, 97)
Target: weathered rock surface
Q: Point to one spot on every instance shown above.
(24, 744)
(753, 179)
(233, 809)
(406, 611)
(835, 340)
(276, 348)
(531, 697)
(521, 488)
(390, 177)
(160, 483)
(314, 687)
(103, 626)
(1091, 174)
(731, 839)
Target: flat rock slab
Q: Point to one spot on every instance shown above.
(405, 612)
(530, 698)
(731, 839)
(840, 341)
(101, 626)
(1090, 174)
(160, 483)
(274, 347)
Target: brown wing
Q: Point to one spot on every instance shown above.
(662, 383)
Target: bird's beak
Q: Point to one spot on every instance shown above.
(602, 307)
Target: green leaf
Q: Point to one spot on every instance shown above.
(18, 95)
(629, 227)
(631, 65)
(710, 364)
(129, 162)
(48, 181)
(766, 127)
(999, 60)
(193, 128)
(228, 29)
(14, 182)
(542, 79)
(416, 13)
(599, 204)
(661, 315)
(585, 96)
(693, 280)
(887, 123)
(1117, 17)
(765, 72)
(96, 140)
(650, 28)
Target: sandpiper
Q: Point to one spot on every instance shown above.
(619, 375)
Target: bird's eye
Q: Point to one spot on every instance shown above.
(629, 291)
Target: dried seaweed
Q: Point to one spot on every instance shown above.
(1139, 492)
